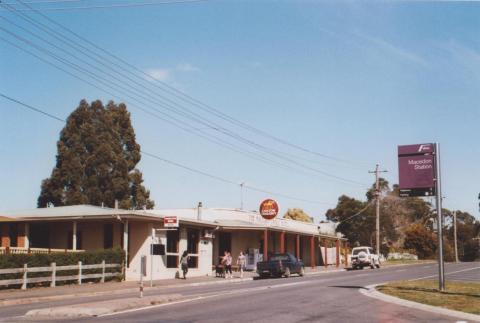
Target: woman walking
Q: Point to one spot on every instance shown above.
(184, 263)
(241, 263)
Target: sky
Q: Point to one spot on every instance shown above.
(350, 80)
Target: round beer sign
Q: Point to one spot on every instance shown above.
(269, 209)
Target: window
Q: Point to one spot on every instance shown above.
(172, 248)
(193, 237)
(107, 236)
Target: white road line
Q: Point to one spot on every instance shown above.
(399, 270)
(453, 272)
(426, 266)
(205, 296)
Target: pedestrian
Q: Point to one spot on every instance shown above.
(184, 263)
(228, 265)
(241, 263)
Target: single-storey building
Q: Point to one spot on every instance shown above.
(205, 233)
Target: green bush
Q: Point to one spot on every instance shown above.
(111, 256)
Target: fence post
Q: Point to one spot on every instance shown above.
(54, 274)
(25, 269)
(103, 272)
(79, 272)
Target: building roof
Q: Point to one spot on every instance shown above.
(228, 219)
(242, 219)
(73, 211)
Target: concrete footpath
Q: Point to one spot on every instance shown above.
(42, 294)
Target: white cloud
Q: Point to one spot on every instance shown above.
(393, 49)
(187, 67)
(161, 74)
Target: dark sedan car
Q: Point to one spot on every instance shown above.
(280, 264)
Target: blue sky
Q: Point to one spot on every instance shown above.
(345, 79)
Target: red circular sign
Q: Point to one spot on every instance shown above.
(269, 209)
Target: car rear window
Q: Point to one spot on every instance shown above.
(357, 251)
(279, 257)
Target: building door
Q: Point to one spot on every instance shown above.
(224, 243)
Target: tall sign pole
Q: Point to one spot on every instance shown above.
(420, 175)
(438, 186)
(377, 205)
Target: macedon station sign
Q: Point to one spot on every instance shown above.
(416, 166)
(269, 209)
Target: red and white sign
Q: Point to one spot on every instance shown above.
(170, 222)
(269, 209)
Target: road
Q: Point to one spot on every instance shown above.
(326, 297)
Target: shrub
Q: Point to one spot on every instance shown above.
(111, 256)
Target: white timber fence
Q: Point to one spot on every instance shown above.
(53, 269)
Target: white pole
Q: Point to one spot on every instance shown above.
(455, 234)
(74, 236)
(441, 269)
(151, 257)
(125, 242)
(27, 235)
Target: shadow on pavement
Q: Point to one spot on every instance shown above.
(349, 286)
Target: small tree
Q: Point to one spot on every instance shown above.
(418, 238)
(298, 215)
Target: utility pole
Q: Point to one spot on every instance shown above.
(455, 234)
(242, 184)
(377, 202)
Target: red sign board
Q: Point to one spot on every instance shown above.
(170, 222)
(269, 209)
(416, 165)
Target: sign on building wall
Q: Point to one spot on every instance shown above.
(269, 209)
(170, 222)
(416, 170)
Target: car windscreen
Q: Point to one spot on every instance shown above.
(279, 257)
(357, 251)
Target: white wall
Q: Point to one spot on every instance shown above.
(140, 245)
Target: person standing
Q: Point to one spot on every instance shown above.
(228, 265)
(184, 263)
(241, 263)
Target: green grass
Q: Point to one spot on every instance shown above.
(406, 262)
(459, 296)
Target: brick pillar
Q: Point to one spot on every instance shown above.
(265, 245)
(337, 245)
(326, 253)
(312, 251)
(282, 242)
(5, 239)
(21, 236)
(297, 246)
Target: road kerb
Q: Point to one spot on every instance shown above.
(94, 309)
(371, 291)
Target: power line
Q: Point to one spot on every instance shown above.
(185, 97)
(357, 214)
(173, 163)
(109, 6)
(171, 108)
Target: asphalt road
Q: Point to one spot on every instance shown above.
(326, 297)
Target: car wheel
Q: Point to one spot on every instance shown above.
(377, 264)
(287, 272)
(372, 266)
(302, 272)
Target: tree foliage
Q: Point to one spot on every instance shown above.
(96, 160)
(298, 215)
(405, 224)
(422, 240)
